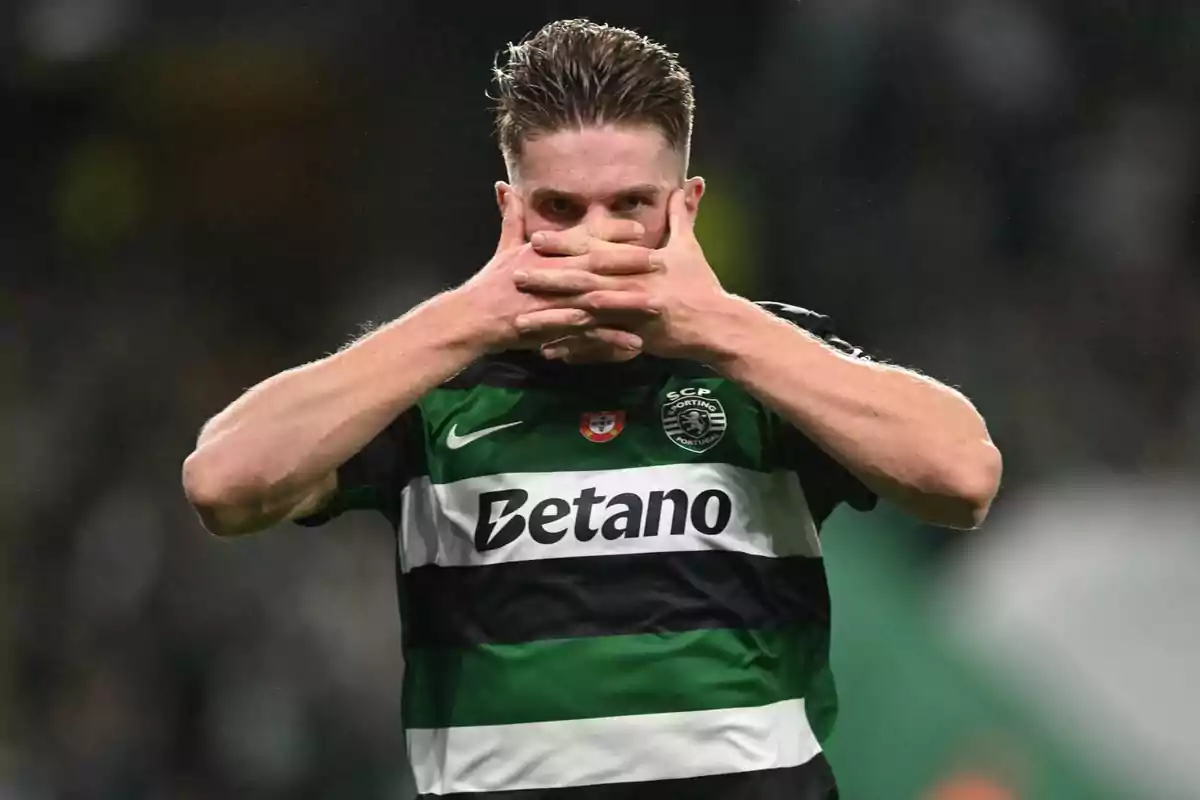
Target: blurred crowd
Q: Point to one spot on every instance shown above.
(1001, 193)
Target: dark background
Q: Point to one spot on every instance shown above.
(199, 194)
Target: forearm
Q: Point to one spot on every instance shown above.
(911, 440)
(282, 437)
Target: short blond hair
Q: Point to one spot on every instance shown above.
(574, 73)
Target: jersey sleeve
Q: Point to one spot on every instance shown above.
(827, 484)
(374, 478)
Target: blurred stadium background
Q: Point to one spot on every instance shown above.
(199, 193)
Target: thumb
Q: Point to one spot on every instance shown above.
(680, 221)
(512, 227)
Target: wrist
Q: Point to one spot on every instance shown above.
(726, 325)
(464, 322)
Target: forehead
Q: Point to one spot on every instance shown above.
(598, 160)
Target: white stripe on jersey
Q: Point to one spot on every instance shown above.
(627, 749)
(767, 514)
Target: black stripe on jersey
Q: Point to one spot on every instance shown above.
(811, 781)
(611, 595)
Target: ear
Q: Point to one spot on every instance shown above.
(693, 191)
(502, 191)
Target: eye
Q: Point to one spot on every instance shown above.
(559, 208)
(630, 203)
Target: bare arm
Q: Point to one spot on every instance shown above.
(273, 453)
(911, 440)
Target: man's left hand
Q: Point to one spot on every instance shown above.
(682, 287)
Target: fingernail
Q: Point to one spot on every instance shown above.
(520, 276)
(554, 353)
(538, 238)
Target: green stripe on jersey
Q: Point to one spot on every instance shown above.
(548, 437)
(503, 684)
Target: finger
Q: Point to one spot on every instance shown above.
(551, 322)
(579, 240)
(679, 219)
(624, 259)
(603, 258)
(595, 345)
(596, 340)
(554, 352)
(600, 338)
(623, 231)
(609, 300)
(574, 242)
(560, 281)
(512, 226)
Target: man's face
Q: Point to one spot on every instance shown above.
(580, 176)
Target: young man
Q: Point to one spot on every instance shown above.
(607, 475)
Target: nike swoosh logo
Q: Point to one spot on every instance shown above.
(454, 441)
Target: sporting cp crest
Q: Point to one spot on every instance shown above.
(693, 419)
(602, 426)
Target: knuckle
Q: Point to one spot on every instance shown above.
(639, 259)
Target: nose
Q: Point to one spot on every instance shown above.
(596, 217)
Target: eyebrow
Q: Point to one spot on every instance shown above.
(546, 193)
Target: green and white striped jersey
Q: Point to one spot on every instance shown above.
(610, 582)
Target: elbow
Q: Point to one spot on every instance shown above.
(950, 492)
(957, 493)
(974, 483)
(216, 495)
(200, 484)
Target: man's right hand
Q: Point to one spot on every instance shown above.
(512, 319)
